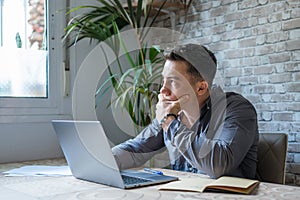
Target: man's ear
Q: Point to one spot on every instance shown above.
(202, 87)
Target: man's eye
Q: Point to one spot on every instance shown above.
(173, 81)
(170, 82)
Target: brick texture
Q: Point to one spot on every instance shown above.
(257, 43)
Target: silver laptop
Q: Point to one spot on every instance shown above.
(90, 158)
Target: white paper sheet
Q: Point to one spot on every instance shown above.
(39, 170)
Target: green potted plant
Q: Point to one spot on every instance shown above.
(136, 83)
(137, 86)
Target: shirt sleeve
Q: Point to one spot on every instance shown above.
(135, 152)
(222, 148)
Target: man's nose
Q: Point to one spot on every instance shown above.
(165, 90)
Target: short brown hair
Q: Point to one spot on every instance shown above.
(186, 53)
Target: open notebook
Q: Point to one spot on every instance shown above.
(225, 184)
(90, 158)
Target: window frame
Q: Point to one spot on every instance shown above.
(1, 22)
(30, 109)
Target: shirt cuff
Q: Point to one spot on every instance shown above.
(172, 129)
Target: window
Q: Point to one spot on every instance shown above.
(31, 57)
(23, 51)
(25, 116)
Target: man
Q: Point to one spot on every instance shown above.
(204, 129)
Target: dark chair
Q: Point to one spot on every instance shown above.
(272, 151)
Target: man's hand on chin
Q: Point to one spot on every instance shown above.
(166, 106)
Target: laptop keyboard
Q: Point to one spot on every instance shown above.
(128, 180)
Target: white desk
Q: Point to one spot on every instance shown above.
(68, 187)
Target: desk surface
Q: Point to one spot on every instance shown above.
(68, 187)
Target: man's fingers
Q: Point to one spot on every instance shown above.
(183, 99)
(176, 105)
(160, 97)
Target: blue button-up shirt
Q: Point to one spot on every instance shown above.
(222, 142)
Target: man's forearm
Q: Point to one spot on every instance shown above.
(135, 152)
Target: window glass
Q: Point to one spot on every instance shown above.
(23, 49)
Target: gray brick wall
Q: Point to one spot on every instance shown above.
(257, 43)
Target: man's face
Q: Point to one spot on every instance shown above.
(177, 81)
